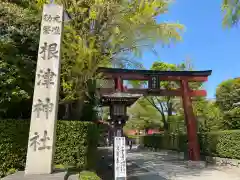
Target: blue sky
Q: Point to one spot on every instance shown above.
(205, 41)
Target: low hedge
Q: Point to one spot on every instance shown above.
(88, 175)
(165, 141)
(76, 144)
(224, 144)
(176, 124)
(103, 129)
(135, 138)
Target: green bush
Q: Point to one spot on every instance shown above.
(13, 144)
(176, 124)
(135, 138)
(224, 144)
(227, 95)
(76, 144)
(232, 119)
(88, 175)
(103, 129)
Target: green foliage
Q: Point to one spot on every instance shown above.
(169, 141)
(102, 129)
(11, 171)
(231, 11)
(143, 116)
(19, 29)
(176, 124)
(220, 143)
(223, 143)
(13, 144)
(167, 105)
(208, 114)
(106, 33)
(100, 33)
(232, 119)
(105, 113)
(227, 95)
(90, 103)
(88, 175)
(76, 144)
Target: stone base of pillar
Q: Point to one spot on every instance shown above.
(196, 164)
(54, 176)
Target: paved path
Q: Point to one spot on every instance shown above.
(166, 166)
(146, 165)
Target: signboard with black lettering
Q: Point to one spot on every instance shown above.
(120, 169)
(154, 82)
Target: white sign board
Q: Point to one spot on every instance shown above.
(120, 158)
(41, 144)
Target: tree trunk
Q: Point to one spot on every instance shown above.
(170, 109)
(77, 110)
(67, 111)
(165, 123)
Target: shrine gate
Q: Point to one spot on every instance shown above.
(114, 94)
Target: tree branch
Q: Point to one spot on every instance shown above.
(154, 105)
(128, 49)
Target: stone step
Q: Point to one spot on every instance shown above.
(54, 176)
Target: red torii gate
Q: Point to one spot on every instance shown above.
(154, 77)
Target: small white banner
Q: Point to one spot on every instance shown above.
(120, 170)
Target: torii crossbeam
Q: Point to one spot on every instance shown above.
(154, 78)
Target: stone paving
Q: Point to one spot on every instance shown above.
(147, 165)
(167, 166)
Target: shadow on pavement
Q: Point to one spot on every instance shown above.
(147, 176)
(162, 165)
(104, 167)
(168, 165)
(134, 172)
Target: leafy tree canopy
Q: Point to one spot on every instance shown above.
(106, 33)
(100, 33)
(227, 99)
(227, 94)
(208, 114)
(231, 11)
(167, 105)
(143, 116)
(18, 50)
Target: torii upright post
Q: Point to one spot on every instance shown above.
(193, 146)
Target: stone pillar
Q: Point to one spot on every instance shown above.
(41, 144)
(193, 146)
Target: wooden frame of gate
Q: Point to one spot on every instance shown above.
(154, 78)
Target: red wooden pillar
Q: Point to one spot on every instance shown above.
(118, 84)
(193, 146)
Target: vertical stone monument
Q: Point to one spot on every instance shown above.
(41, 143)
